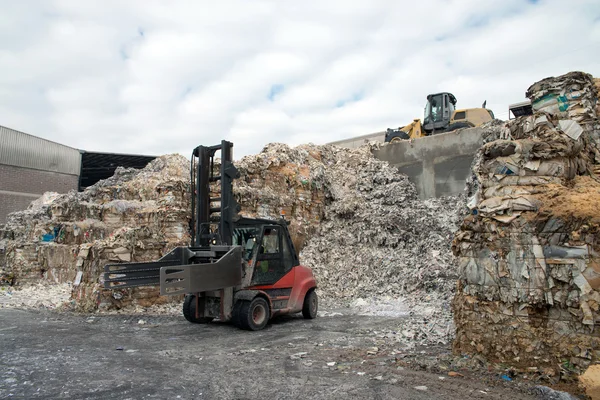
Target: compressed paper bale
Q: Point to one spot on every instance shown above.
(516, 203)
(143, 210)
(560, 93)
(510, 180)
(512, 165)
(500, 191)
(528, 256)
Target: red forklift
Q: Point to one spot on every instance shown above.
(236, 269)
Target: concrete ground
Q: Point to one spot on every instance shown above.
(50, 355)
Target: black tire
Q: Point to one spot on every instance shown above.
(396, 137)
(189, 311)
(253, 315)
(459, 125)
(235, 314)
(311, 305)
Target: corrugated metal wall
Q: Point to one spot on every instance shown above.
(23, 150)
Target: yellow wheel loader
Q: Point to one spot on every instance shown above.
(440, 116)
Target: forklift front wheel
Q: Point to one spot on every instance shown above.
(253, 315)
(311, 305)
(189, 311)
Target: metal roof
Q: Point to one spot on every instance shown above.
(96, 166)
(23, 150)
(520, 109)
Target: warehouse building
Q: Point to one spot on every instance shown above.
(30, 166)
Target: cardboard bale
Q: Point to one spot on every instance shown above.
(528, 253)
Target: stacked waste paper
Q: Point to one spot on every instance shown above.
(358, 221)
(528, 252)
(285, 181)
(136, 215)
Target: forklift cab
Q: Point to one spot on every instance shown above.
(274, 257)
(268, 247)
(438, 111)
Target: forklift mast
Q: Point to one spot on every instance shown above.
(211, 261)
(214, 208)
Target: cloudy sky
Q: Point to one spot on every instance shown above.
(155, 77)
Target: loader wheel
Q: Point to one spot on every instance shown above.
(458, 125)
(399, 137)
(311, 305)
(189, 311)
(253, 315)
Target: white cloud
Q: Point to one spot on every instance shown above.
(155, 77)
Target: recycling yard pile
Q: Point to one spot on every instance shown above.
(523, 246)
(528, 254)
(67, 239)
(368, 232)
(358, 222)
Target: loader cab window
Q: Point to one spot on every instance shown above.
(449, 107)
(434, 109)
(460, 115)
(269, 267)
(452, 108)
(427, 113)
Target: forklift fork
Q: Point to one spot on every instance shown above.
(183, 270)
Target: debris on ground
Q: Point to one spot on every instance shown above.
(529, 278)
(40, 295)
(551, 394)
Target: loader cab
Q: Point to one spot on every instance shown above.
(438, 110)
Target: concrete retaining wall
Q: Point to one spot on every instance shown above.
(357, 141)
(438, 165)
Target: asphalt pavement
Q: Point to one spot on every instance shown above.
(51, 355)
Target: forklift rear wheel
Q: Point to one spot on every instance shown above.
(189, 311)
(311, 305)
(235, 314)
(253, 315)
